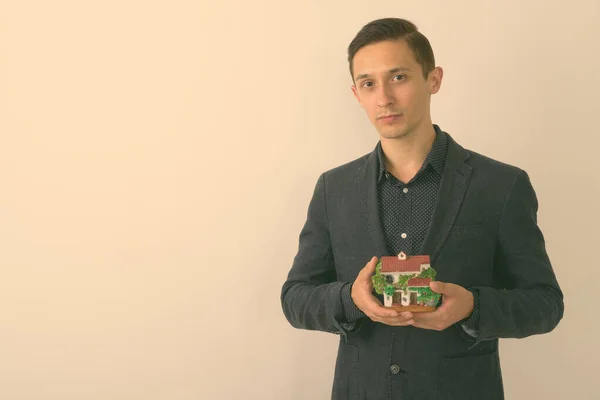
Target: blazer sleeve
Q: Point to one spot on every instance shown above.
(311, 297)
(531, 301)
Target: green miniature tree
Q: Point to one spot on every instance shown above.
(403, 281)
(426, 296)
(378, 279)
(390, 290)
(428, 273)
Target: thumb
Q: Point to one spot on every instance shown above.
(369, 269)
(441, 287)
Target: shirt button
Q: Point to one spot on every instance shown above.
(405, 190)
(403, 236)
(394, 369)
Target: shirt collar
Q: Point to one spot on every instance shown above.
(436, 156)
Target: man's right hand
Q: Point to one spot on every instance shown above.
(362, 295)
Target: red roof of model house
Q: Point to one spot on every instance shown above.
(410, 264)
(418, 282)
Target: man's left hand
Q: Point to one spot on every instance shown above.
(457, 304)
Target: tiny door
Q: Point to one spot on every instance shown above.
(413, 298)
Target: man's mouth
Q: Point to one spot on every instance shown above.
(389, 117)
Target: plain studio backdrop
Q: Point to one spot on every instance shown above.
(157, 159)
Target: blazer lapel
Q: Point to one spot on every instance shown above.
(369, 200)
(450, 196)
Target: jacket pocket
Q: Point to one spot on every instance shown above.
(474, 377)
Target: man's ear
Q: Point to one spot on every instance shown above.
(355, 93)
(435, 80)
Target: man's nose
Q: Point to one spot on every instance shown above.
(384, 97)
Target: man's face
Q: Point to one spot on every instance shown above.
(389, 81)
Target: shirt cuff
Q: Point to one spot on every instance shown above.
(471, 324)
(351, 312)
(470, 332)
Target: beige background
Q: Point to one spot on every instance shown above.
(155, 155)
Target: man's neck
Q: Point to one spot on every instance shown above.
(404, 156)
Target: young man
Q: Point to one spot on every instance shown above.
(419, 192)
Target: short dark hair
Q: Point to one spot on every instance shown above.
(384, 29)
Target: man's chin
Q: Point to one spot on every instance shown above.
(399, 134)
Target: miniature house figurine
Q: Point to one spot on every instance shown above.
(404, 282)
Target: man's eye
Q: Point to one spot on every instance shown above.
(367, 83)
(401, 76)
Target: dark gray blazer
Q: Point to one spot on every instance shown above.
(483, 235)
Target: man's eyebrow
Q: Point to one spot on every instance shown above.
(391, 71)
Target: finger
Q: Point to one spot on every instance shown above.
(375, 308)
(404, 322)
(434, 327)
(426, 320)
(397, 321)
(435, 320)
(369, 269)
(428, 317)
(420, 322)
(437, 286)
(403, 318)
(422, 325)
(448, 289)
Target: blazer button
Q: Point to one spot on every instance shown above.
(394, 369)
